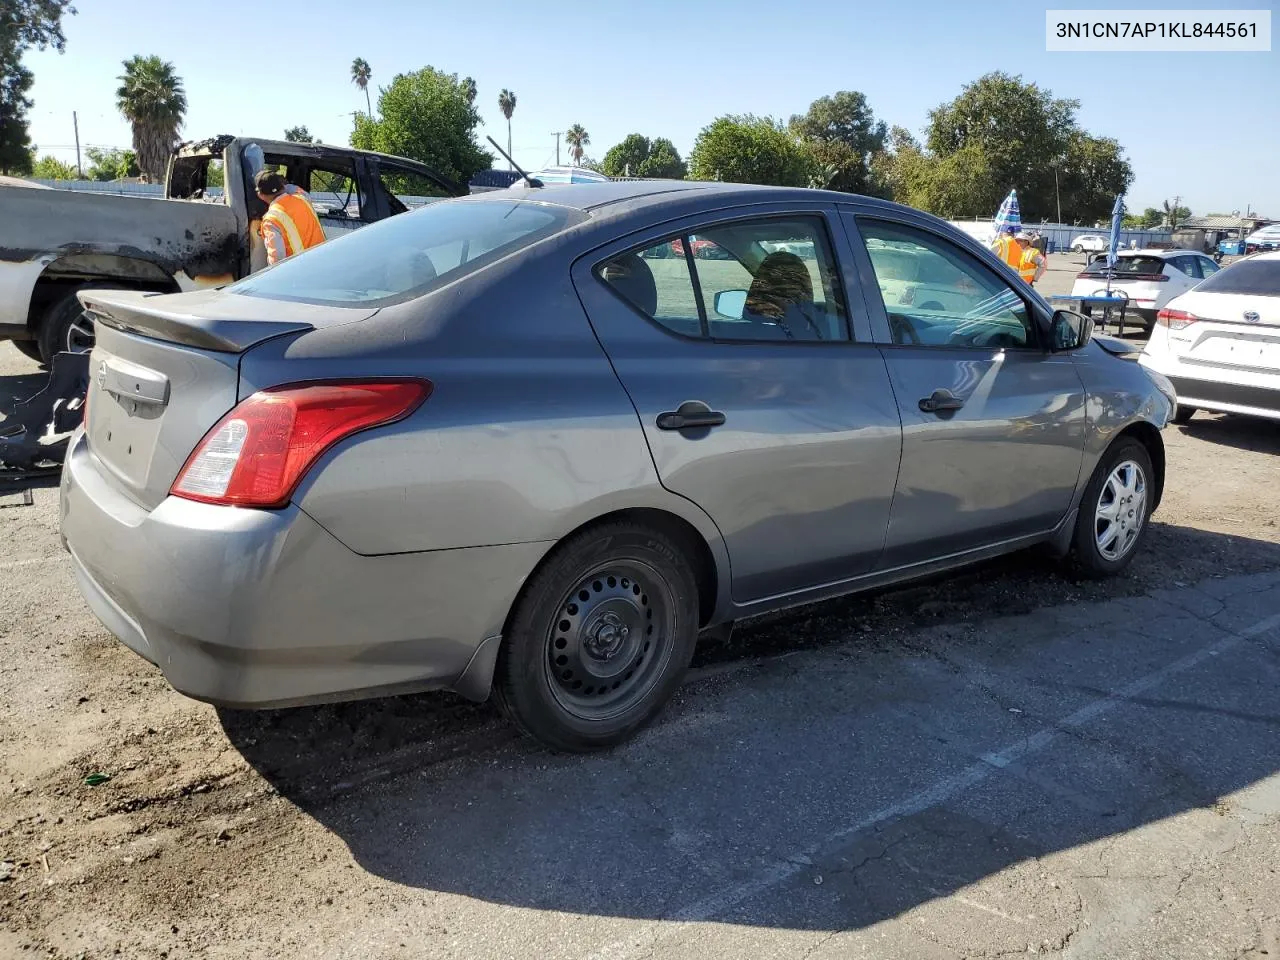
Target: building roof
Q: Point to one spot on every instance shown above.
(1220, 222)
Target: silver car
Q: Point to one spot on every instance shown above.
(508, 444)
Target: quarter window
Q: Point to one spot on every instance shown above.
(773, 279)
(936, 295)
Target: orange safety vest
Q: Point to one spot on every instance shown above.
(1022, 257)
(297, 220)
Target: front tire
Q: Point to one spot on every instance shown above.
(600, 639)
(1115, 510)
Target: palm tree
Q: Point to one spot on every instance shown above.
(507, 104)
(360, 74)
(151, 98)
(469, 89)
(1171, 213)
(577, 138)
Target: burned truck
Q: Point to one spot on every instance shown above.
(54, 243)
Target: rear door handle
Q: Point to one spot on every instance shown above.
(941, 400)
(690, 415)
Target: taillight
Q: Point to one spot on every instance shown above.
(256, 455)
(1175, 319)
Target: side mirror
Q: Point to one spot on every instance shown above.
(730, 303)
(1069, 330)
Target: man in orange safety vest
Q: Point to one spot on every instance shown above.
(1018, 253)
(290, 224)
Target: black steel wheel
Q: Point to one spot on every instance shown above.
(600, 637)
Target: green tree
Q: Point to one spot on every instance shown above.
(361, 73)
(299, 135)
(111, 164)
(749, 149)
(638, 156)
(51, 168)
(1173, 214)
(507, 104)
(23, 24)
(842, 135)
(469, 89)
(1022, 131)
(152, 99)
(425, 116)
(577, 138)
(1092, 173)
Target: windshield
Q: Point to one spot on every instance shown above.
(1128, 265)
(405, 256)
(1253, 277)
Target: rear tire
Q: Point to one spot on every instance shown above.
(56, 325)
(1115, 510)
(600, 639)
(1184, 414)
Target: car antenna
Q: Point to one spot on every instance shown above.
(515, 166)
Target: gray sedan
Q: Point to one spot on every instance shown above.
(512, 444)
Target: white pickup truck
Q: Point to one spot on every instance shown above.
(54, 243)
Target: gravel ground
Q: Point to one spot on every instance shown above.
(1004, 761)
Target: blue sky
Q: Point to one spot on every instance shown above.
(1192, 124)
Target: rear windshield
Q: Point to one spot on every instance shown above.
(407, 255)
(1128, 265)
(1254, 277)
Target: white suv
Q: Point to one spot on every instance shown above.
(1220, 343)
(1090, 243)
(1148, 279)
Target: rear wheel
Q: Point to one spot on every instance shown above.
(66, 327)
(1183, 414)
(1114, 510)
(599, 640)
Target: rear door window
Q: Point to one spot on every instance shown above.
(1129, 267)
(767, 279)
(403, 257)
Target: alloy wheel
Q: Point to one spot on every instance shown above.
(1121, 510)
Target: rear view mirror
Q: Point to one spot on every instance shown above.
(1069, 330)
(730, 303)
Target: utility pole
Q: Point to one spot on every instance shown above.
(75, 122)
(1173, 215)
(556, 134)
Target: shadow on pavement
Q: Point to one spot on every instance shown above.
(1234, 430)
(836, 786)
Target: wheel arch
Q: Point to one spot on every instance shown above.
(69, 272)
(1149, 436)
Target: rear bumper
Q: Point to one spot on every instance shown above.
(1256, 395)
(264, 608)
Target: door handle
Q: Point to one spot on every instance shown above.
(941, 400)
(690, 415)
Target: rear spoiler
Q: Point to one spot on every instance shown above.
(162, 317)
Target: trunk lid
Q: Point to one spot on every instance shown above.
(165, 368)
(1224, 336)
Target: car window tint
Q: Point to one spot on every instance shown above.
(656, 281)
(1252, 277)
(1129, 266)
(937, 295)
(406, 256)
(772, 279)
(1207, 267)
(1188, 265)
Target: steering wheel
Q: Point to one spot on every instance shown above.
(902, 330)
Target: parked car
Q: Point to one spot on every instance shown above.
(1219, 344)
(1148, 278)
(493, 446)
(60, 242)
(1090, 243)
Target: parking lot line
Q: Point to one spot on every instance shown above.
(724, 901)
